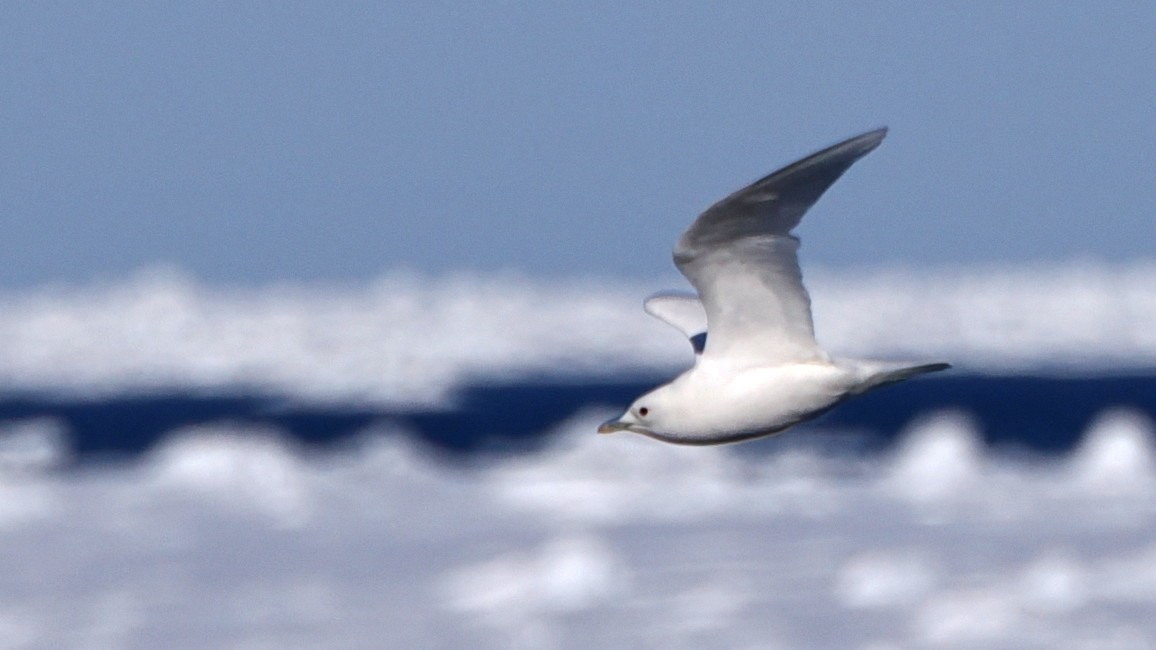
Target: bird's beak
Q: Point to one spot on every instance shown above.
(611, 426)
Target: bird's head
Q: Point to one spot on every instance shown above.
(647, 415)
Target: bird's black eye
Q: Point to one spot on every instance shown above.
(643, 411)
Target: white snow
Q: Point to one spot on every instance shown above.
(1117, 457)
(226, 537)
(411, 339)
(938, 462)
(231, 538)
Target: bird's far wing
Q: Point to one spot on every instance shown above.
(684, 312)
(740, 256)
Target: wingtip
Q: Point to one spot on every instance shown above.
(848, 150)
(869, 140)
(799, 184)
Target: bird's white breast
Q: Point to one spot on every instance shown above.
(720, 399)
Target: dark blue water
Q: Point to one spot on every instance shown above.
(1036, 414)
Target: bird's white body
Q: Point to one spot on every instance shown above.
(743, 402)
(758, 369)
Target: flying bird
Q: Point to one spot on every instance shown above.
(757, 368)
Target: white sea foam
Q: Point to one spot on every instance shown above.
(230, 538)
(405, 338)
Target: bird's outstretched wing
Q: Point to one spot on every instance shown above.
(740, 256)
(683, 311)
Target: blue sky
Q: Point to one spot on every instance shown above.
(272, 142)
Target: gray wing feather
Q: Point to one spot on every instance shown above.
(741, 258)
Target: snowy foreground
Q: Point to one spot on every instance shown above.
(230, 539)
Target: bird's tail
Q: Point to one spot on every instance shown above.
(881, 373)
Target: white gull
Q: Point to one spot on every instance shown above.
(758, 369)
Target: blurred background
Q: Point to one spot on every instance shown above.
(308, 315)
